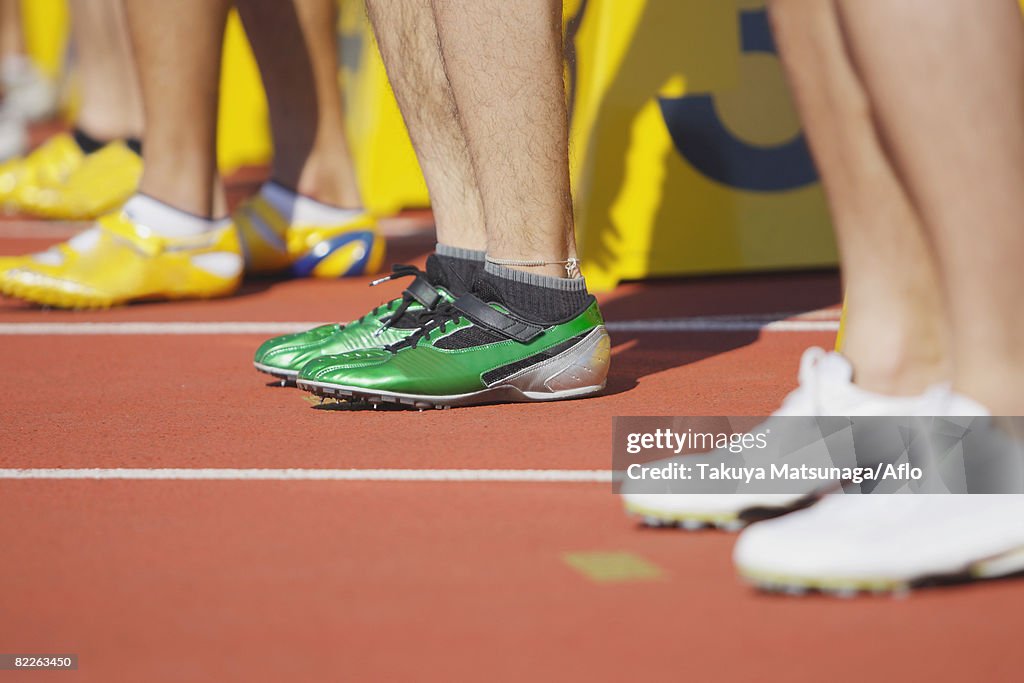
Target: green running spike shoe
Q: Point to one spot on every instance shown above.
(389, 323)
(467, 353)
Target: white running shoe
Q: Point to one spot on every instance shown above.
(28, 94)
(13, 137)
(885, 543)
(942, 400)
(826, 388)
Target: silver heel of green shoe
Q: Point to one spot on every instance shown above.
(577, 371)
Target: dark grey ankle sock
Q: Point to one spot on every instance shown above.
(454, 268)
(89, 144)
(536, 298)
(459, 252)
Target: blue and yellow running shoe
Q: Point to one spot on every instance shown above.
(272, 244)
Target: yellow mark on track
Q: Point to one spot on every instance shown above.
(613, 567)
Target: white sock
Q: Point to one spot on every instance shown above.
(165, 220)
(302, 211)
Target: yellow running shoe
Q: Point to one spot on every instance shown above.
(9, 262)
(271, 244)
(118, 261)
(101, 183)
(46, 166)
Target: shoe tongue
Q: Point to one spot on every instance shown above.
(439, 276)
(407, 321)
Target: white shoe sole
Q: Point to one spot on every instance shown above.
(733, 520)
(1002, 565)
(498, 394)
(287, 375)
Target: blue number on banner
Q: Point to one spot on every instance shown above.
(703, 140)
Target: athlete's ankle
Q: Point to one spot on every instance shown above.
(995, 385)
(896, 344)
(300, 209)
(896, 363)
(330, 182)
(896, 368)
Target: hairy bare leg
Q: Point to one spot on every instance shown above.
(504, 63)
(408, 41)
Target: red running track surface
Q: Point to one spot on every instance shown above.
(435, 581)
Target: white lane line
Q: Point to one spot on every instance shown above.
(130, 328)
(697, 324)
(411, 226)
(35, 229)
(715, 325)
(224, 474)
